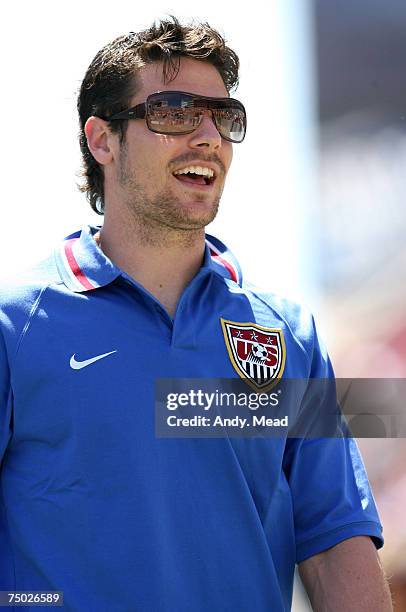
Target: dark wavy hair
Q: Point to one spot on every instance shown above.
(111, 79)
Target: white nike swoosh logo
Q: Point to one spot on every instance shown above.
(78, 365)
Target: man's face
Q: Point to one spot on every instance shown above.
(144, 174)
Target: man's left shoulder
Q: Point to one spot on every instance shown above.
(295, 317)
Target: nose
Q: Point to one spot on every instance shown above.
(206, 135)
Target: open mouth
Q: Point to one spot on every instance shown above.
(195, 175)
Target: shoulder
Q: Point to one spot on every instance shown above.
(25, 285)
(296, 318)
(21, 292)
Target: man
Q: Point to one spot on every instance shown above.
(94, 504)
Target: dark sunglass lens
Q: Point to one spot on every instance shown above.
(172, 113)
(174, 121)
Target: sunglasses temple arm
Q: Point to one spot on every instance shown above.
(137, 112)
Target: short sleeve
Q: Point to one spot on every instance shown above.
(332, 498)
(5, 399)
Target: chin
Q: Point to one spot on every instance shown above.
(177, 213)
(199, 219)
(195, 210)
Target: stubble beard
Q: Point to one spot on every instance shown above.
(162, 219)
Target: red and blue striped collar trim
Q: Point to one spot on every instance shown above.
(83, 266)
(223, 261)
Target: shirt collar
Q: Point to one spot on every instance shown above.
(220, 259)
(83, 266)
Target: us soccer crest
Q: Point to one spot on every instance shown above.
(257, 353)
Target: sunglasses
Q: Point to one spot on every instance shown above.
(178, 112)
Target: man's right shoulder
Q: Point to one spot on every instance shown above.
(22, 290)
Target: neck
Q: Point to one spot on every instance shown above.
(161, 259)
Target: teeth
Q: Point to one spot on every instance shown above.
(196, 170)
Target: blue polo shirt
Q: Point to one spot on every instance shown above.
(94, 504)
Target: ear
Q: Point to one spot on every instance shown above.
(99, 140)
